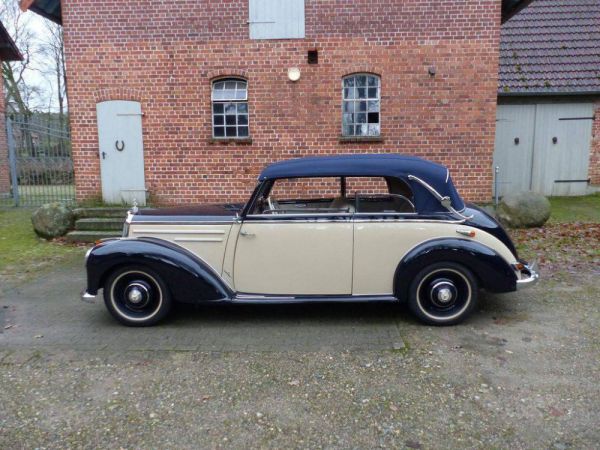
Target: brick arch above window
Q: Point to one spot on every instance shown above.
(119, 93)
(214, 75)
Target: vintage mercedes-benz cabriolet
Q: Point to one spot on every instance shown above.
(321, 229)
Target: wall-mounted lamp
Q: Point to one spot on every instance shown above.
(294, 74)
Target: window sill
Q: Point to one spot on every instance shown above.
(226, 141)
(360, 139)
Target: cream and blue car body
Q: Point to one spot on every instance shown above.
(417, 242)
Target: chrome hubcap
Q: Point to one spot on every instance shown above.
(444, 295)
(135, 296)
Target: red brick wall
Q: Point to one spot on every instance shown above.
(4, 167)
(164, 54)
(594, 170)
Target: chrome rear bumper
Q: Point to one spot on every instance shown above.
(530, 276)
(88, 298)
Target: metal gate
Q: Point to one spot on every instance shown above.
(41, 166)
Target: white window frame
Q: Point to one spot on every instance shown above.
(236, 100)
(355, 100)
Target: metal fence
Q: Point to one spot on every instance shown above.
(41, 167)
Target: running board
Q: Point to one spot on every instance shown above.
(282, 299)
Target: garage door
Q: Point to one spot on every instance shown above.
(543, 147)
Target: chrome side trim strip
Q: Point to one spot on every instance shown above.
(198, 240)
(167, 231)
(251, 298)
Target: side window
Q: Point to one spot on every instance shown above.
(230, 108)
(380, 195)
(276, 19)
(361, 94)
(318, 195)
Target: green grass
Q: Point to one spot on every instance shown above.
(575, 209)
(22, 252)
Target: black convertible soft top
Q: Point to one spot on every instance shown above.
(376, 165)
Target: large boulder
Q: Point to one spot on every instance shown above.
(523, 210)
(52, 220)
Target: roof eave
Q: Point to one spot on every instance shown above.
(547, 94)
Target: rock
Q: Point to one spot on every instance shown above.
(523, 210)
(52, 220)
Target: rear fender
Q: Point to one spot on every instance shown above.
(492, 271)
(188, 277)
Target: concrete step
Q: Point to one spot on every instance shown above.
(99, 224)
(90, 236)
(89, 213)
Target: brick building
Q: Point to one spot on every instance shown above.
(211, 87)
(8, 52)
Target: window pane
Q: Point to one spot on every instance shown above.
(243, 131)
(349, 82)
(217, 95)
(230, 108)
(361, 81)
(219, 131)
(230, 131)
(219, 120)
(240, 85)
(373, 129)
(373, 106)
(348, 93)
(229, 94)
(373, 81)
(373, 93)
(230, 120)
(347, 119)
(218, 108)
(219, 85)
(361, 130)
(361, 93)
(348, 130)
(243, 119)
(240, 95)
(361, 118)
(242, 108)
(373, 118)
(230, 85)
(348, 107)
(360, 106)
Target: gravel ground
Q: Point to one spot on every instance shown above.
(521, 373)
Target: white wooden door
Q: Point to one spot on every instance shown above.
(121, 152)
(543, 147)
(562, 148)
(513, 152)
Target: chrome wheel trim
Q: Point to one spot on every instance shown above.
(455, 315)
(117, 307)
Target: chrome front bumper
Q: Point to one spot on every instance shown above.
(88, 298)
(530, 276)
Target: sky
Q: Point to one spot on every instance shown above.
(37, 75)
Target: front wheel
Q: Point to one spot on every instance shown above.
(136, 296)
(443, 294)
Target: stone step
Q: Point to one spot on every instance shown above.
(90, 236)
(89, 213)
(99, 224)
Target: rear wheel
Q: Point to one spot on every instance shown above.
(136, 296)
(443, 294)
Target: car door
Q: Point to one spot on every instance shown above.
(295, 251)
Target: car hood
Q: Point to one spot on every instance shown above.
(204, 211)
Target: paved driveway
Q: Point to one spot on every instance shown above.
(48, 313)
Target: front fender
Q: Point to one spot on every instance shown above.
(188, 277)
(492, 271)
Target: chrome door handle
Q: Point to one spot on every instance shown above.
(245, 233)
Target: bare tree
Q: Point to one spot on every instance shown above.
(52, 47)
(21, 96)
